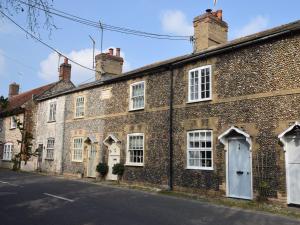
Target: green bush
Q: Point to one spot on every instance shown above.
(118, 169)
(102, 169)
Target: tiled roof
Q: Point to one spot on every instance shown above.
(17, 101)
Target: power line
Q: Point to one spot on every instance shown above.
(96, 23)
(91, 23)
(35, 69)
(21, 63)
(44, 43)
(85, 81)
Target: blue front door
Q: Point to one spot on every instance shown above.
(239, 169)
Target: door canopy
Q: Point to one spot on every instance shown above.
(294, 129)
(110, 139)
(234, 131)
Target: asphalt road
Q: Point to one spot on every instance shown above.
(33, 199)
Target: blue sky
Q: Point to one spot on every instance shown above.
(31, 64)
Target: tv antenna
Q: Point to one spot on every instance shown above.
(94, 43)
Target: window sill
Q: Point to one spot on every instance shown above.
(6, 160)
(12, 128)
(134, 164)
(48, 159)
(52, 121)
(200, 168)
(133, 110)
(77, 161)
(201, 100)
(78, 118)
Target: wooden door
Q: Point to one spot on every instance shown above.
(293, 170)
(239, 169)
(92, 153)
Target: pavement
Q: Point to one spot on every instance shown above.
(33, 199)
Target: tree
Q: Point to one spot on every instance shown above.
(3, 103)
(37, 13)
(25, 146)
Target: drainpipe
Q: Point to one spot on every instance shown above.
(63, 137)
(170, 171)
(23, 137)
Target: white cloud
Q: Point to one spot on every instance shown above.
(256, 24)
(49, 67)
(175, 22)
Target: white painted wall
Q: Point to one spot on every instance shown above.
(46, 129)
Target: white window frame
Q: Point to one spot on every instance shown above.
(131, 98)
(77, 149)
(7, 155)
(52, 111)
(128, 163)
(77, 107)
(199, 149)
(200, 99)
(13, 122)
(50, 149)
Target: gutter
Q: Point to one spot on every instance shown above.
(232, 47)
(63, 138)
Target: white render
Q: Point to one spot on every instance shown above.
(46, 129)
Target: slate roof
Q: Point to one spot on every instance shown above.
(214, 50)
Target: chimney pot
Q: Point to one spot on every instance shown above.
(220, 14)
(13, 89)
(111, 51)
(66, 61)
(118, 52)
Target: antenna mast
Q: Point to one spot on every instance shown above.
(101, 36)
(94, 43)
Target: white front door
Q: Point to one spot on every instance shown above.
(239, 169)
(293, 170)
(92, 153)
(113, 158)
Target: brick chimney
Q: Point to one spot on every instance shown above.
(65, 71)
(13, 89)
(108, 64)
(209, 30)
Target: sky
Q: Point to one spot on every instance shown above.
(27, 62)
